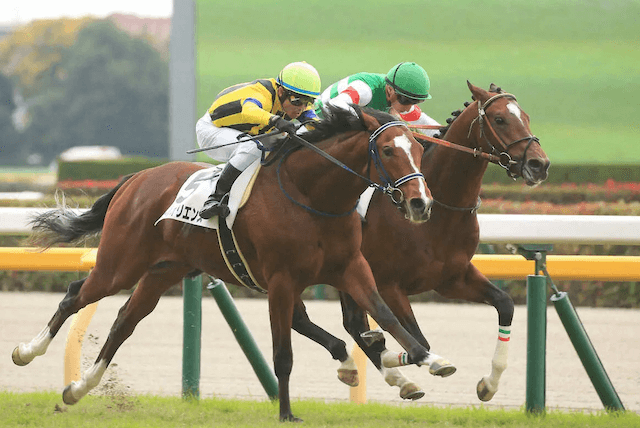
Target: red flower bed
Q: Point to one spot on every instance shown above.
(88, 184)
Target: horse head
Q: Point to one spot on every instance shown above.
(397, 156)
(502, 128)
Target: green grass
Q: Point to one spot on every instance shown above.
(47, 410)
(572, 64)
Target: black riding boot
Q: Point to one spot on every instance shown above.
(214, 205)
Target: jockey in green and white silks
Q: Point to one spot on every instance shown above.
(401, 89)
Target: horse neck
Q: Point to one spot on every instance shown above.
(327, 186)
(455, 177)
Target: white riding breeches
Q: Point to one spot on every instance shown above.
(225, 140)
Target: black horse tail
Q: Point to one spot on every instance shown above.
(63, 225)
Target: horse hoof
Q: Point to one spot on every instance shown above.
(349, 377)
(411, 391)
(290, 418)
(442, 368)
(484, 394)
(67, 396)
(15, 356)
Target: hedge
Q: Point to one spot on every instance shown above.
(559, 173)
(105, 170)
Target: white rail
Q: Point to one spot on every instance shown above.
(494, 228)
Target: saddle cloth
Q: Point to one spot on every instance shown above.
(189, 201)
(199, 186)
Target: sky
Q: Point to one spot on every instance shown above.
(24, 11)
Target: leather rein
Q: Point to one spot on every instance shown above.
(503, 159)
(388, 187)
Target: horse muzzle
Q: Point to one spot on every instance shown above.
(418, 210)
(535, 171)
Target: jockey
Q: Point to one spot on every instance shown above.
(400, 91)
(253, 108)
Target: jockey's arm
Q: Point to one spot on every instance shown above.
(253, 112)
(415, 116)
(358, 92)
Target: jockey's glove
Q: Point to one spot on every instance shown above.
(285, 126)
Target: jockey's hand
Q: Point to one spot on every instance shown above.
(285, 126)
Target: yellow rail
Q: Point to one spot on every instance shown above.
(53, 259)
(592, 268)
(595, 268)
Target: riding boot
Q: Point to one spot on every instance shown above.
(216, 203)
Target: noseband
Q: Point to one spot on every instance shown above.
(392, 190)
(388, 187)
(504, 158)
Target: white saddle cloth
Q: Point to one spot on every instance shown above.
(199, 186)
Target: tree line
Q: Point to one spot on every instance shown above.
(84, 82)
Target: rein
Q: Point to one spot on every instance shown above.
(503, 159)
(389, 187)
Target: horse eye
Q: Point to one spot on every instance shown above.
(499, 120)
(387, 151)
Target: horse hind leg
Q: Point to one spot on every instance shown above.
(141, 303)
(24, 353)
(348, 371)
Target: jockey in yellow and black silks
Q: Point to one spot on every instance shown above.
(253, 108)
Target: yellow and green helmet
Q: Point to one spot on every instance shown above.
(301, 78)
(410, 80)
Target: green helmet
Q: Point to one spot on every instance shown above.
(410, 80)
(301, 78)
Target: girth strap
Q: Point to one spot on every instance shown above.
(234, 259)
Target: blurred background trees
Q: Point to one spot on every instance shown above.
(81, 82)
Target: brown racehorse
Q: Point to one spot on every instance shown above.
(311, 236)
(408, 260)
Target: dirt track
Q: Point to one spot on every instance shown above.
(151, 360)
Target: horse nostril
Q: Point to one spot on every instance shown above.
(417, 204)
(534, 165)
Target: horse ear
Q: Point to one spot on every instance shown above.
(479, 94)
(370, 122)
(496, 89)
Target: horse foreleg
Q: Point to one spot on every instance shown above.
(24, 353)
(477, 288)
(348, 371)
(359, 283)
(355, 322)
(281, 301)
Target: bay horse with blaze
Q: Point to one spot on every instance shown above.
(408, 259)
(298, 228)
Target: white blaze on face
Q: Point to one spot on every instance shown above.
(515, 110)
(403, 143)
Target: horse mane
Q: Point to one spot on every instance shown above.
(337, 120)
(454, 114)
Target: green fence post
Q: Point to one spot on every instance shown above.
(191, 337)
(536, 343)
(243, 336)
(586, 352)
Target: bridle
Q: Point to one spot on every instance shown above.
(504, 158)
(388, 186)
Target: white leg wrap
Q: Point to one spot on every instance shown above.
(488, 385)
(90, 379)
(37, 346)
(499, 362)
(394, 359)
